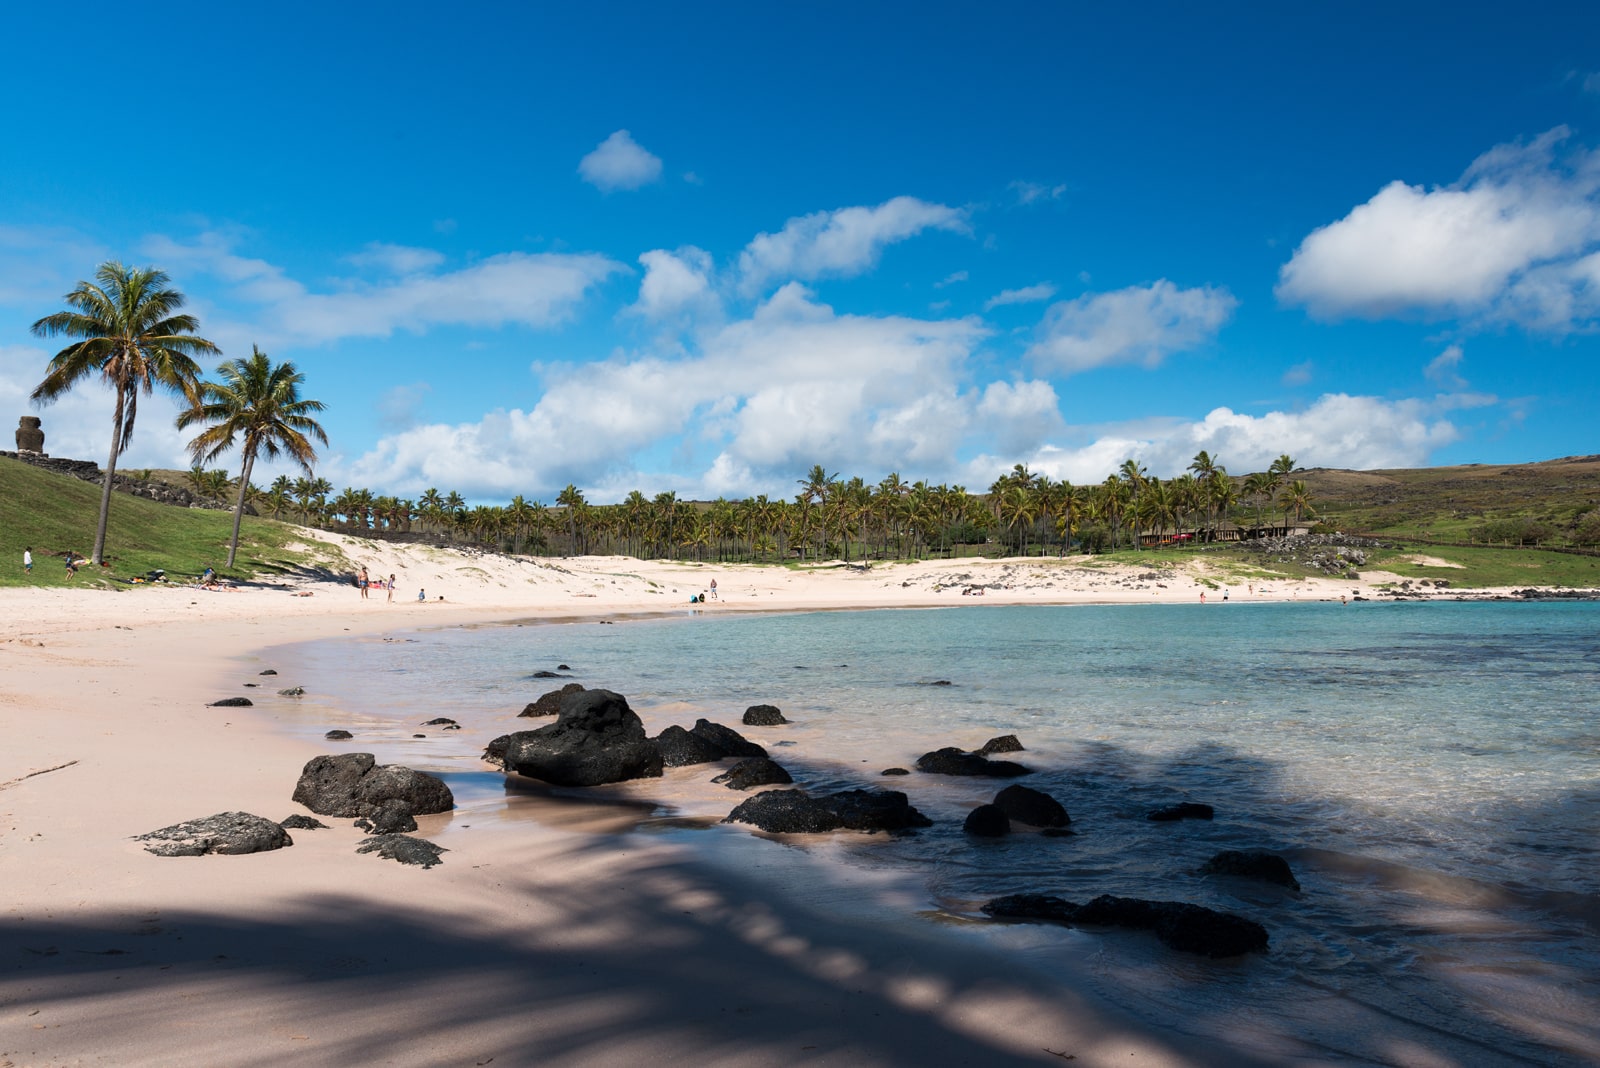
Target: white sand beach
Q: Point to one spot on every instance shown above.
(543, 944)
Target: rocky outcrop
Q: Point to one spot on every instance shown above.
(1033, 807)
(299, 822)
(730, 741)
(763, 716)
(597, 739)
(680, 749)
(226, 832)
(953, 761)
(796, 812)
(987, 821)
(356, 785)
(752, 772)
(1006, 743)
(550, 704)
(1183, 810)
(1182, 926)
(390, 817)
(404, 848)
(1263, 867)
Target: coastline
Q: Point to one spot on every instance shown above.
(531, 942)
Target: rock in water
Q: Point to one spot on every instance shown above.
(730, 741)
(293, 691)
(1190, 928)
(894, 771)
(1183, 810)
(754, 771)
(1031, 907)
(1266, 867)
(391, 817)
(987, 821)
(596, 739)
(337, 735)
(550, 704)
(680, 749)
(232, 702)
(404, 848)
(1033, 807)
(226, 832)
(354, 784)
(763, 716)
(795, 811)
(952, 761)
(1006, 743)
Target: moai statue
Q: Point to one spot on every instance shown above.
(30, 438)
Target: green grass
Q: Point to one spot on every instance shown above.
(54, 513)
(1492, 567)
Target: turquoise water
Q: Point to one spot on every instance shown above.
(1430, 771)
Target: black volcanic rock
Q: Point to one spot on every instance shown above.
(1183, 810)
(1265, 867)
(403, 848)
(754, 771)
(550, 704)
(987, 821)
(299, 822)
(1031, 907)
(597, 739)
(232, 702)
(1005, 743)
(338, 735)
(795, 811)
(1190, 928)
(763, 716)
(680, 749)
(1033, 807)
(730, 741)
(354, 784)
(953, 761)
(226, 832)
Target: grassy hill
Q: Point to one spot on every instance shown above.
(54, 513)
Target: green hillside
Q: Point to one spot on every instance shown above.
(55, 513)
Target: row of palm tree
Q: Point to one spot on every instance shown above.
(129, 331)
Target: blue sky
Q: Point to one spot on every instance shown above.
(701, 247)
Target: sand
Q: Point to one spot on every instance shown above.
(543, 944)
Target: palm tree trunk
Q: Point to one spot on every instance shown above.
(238, 505)
(99, 554)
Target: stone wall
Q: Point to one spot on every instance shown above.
(89, 471)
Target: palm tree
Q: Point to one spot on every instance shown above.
(258, 407)
(128, 331)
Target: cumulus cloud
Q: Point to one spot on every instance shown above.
(525, 289)
(396, 259)
(1516, 239)
(1025, 295)
(619, 162)
(1338, 430)
(1299, 374)
(1019, 415)
(792, 385)
(675, 282)
(840, 243)
(1140, 324)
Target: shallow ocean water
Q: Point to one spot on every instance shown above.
(1431, 772)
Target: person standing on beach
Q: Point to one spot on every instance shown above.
(390, 598)
(27, 560)
(361, 581)
(713, 589)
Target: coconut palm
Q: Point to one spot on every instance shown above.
(258, 407)
(127, 330)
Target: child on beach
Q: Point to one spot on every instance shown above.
(390, 598)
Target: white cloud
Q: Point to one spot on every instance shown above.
(396, 259)
(619, 162)
(1140, 324)
(675, 282)
(1019, 415)
(1033, 192)
(1299, 374)
(526, 289)
(1338, 430)
(839, 243)
(793, 385)
(1025, 295)
(951, 279)
(1442, 370)
(1514, 240)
